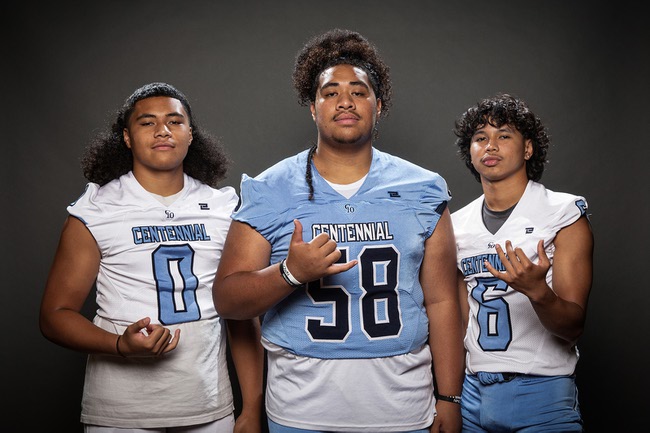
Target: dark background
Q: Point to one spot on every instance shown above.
(582, 68)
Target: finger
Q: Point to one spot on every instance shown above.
(296, 237)
(162, 342)
(522, 257)
(337, 268)
(491, 269)
(321, 240)
(504, 257)
(140, 324)
(174, 341)
(541, 253)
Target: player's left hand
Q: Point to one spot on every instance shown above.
(520, 273)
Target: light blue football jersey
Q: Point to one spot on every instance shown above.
(376, 308)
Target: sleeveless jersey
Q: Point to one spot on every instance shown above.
(362, 332)
(158, 261)
(504, 333)
(376, 308)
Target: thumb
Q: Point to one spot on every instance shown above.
(296, 237)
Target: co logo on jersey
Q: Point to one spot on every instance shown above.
(349, 208)
(169, 214)
(491, 245)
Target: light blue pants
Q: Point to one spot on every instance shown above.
(278, 428)
(523, 404)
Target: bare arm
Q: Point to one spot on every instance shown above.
(248, 358)
(462, 298)
(562, 310)
(69, 283)
(246, 286)
(440, 284)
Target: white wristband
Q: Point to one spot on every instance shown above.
(288, 277)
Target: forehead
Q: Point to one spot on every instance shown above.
(159, 104)
(489, 126)
(343, 74)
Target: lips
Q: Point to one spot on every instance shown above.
(490, 161)
(163, 145)
(346, 118)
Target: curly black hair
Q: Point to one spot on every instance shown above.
(337, 47)
(107, 157)
(503, 109)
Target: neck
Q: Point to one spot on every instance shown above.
(343, 164)
(503, 194)
(164, 183)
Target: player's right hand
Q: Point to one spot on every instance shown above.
(142, 339)
(309, 261)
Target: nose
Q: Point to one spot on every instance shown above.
(491, 145)
(162, 131)
(345, 102)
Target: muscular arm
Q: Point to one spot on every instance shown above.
(440, 284)
(562, 310)
(246, 286)
(69, 283)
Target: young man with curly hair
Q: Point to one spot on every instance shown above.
(148, 230)
(348, 253)
(525, 270)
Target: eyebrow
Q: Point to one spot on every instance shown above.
(352, 83)
(149, 115)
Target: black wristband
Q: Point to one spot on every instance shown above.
(288, 277)
(117, 346)
(450, 398)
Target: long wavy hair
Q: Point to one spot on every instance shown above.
(107, 157)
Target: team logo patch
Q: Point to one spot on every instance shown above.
(529, 230)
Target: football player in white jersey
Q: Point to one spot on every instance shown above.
(148, 230)
(349, 254)
(525, 268)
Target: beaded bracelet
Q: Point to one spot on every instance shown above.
(450, 398)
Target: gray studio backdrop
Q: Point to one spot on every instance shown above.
(582, 68)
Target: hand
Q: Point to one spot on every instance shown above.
(448, 418)
(142, 339)
(248, 423)
(309, 261)
(520, 273)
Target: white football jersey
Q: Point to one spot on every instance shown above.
(156, 260)
(504, 333)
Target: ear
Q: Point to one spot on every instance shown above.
(378, 107)
(312, 108)
(191, 137)
(127, 138)
(528, 149)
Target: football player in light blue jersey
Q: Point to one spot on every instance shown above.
(525, 268)
(149, 230)
(349, 255)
